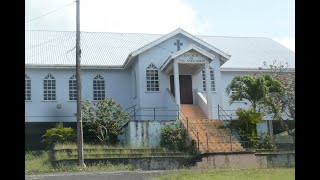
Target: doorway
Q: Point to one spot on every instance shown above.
(185, 82)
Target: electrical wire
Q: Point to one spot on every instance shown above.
(49, 12)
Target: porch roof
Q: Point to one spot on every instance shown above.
(190, 67)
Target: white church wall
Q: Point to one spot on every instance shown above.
(135, 82)
(117, 83)
(226, 77)
(158, 55)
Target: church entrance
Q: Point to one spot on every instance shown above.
(185, 81)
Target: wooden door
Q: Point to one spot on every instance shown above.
(186, 96)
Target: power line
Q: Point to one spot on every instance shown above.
(46, 42)
(48, 48)
(48, 13)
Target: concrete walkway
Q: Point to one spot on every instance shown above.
(99, 175)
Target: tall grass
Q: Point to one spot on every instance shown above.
(69, 151)
(37, 162)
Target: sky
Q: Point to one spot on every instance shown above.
(240, 18)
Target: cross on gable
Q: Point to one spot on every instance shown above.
(178, 44)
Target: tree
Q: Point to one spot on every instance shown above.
(103, 118)
(253, 88)
(282, 103)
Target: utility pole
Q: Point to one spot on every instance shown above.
(79, 113)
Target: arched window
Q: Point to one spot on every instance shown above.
(72, 88)
(98, 88)
(152, 78)
(49, 88)
(213, 88)
(27, 88)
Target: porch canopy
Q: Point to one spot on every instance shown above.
(191, 60)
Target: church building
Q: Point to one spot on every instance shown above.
(162, 77)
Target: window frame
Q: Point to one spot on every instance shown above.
(152, 79)
(72, 88)
(212, 81)
(27, 88)
(100, 89)
(49, 79)
(233, 91)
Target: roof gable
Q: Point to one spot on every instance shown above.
(191, 47)
(170, 35)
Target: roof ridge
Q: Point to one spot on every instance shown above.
(93, 32)
(147, 33)
(235, 36)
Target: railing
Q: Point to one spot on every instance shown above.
(226, 116)
(132, 115)
(231, 145)
(190, 129)
(152, 113)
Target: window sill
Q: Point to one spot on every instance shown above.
(27, 101)
(152, 91)
(49, 100)
(206, 91)
(96, 100)
(238, 102)
(72, 101)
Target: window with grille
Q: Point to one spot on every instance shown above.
(27, 88)
(234, 90)
(152, 78)
(98, 88)
(49, 88)
(213, 88)
(72, 88)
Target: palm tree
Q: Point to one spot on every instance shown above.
(253, 88)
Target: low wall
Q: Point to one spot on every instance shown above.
(143, 133)
(278, 160)
(148, 163)
(246, 160)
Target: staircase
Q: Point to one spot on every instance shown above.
(212, 138)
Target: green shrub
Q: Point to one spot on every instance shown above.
(265, 142)
(246, 126)
(173, 137)
(58, 134)
(103, 119)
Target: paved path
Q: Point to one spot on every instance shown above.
(99, 175)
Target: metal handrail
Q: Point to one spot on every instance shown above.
(189, 128)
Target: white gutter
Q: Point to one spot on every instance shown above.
(72, 67)
(254, 69)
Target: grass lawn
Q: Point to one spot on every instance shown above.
(37, 162)
(232, 174)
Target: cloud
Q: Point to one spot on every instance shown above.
(288, 42)
(143, 16)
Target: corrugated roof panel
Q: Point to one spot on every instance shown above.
(249, 52)
(112, 49)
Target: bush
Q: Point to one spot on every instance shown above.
(103, 120)
(246, 125)
(58, 134)
(173, 137)
(265, 142)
